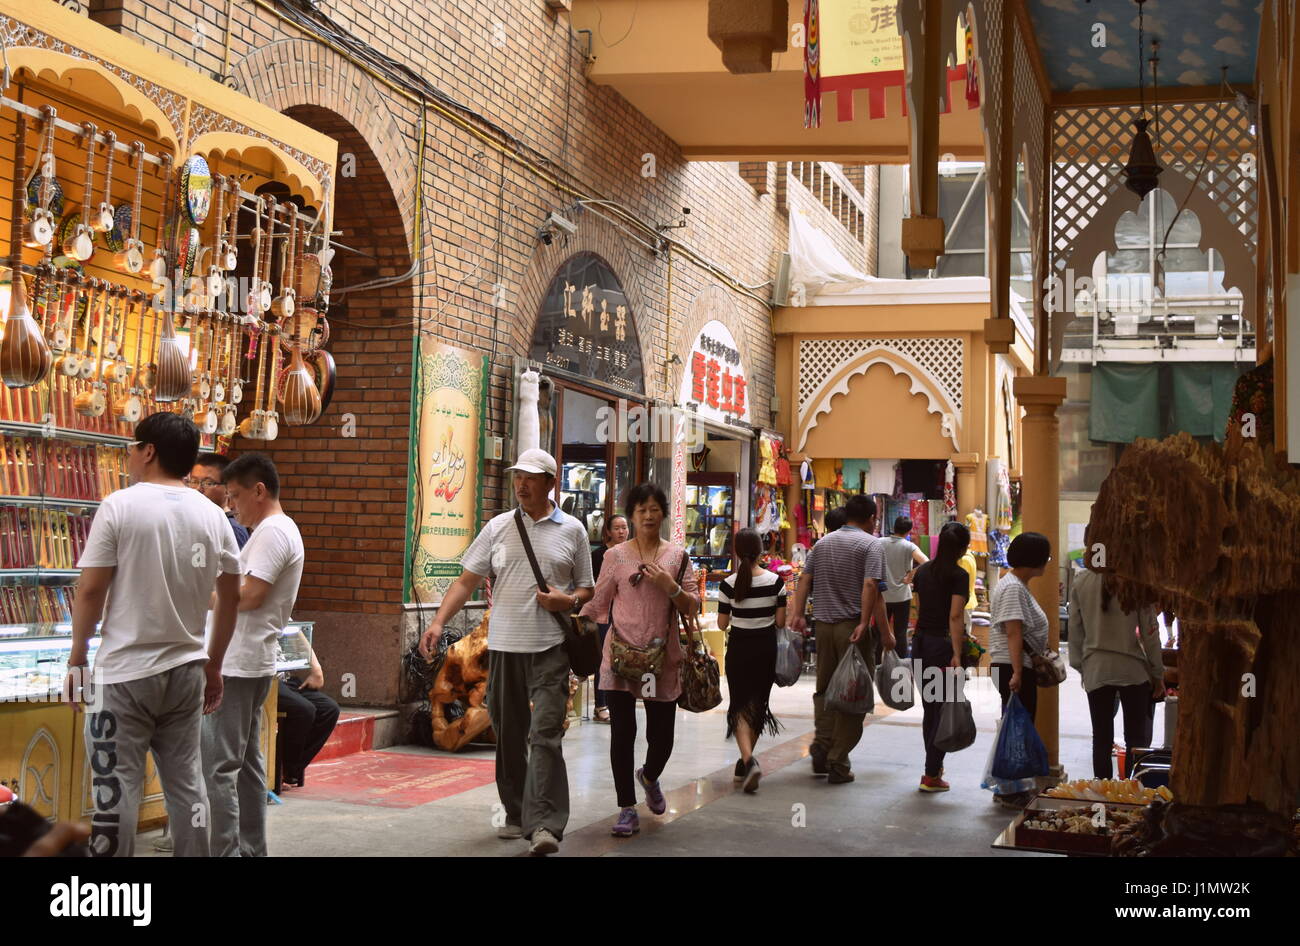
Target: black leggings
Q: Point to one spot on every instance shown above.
(1028, 686)
(1136, 701)
(660, 718)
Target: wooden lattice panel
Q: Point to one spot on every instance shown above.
(1091, 144)
(987, 16)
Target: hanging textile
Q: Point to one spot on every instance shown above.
(880, 478)
(919, 512)
(812, 68)
(1125, 403)
(938, 515)
(978, 523)
(998, 554)
(1202, 398)
(1002, 514)
(898, 480)
(972, 77)
(767, 458)
(950, 473)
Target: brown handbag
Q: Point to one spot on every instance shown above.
(632, 662)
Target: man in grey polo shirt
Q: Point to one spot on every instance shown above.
(526, 657)
(845, 572)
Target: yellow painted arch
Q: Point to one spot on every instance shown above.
(91, 81)
(264, 155)
(937, 401)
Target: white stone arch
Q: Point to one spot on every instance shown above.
(938, 399)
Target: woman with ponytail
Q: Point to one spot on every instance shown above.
(942, 587)
(752, 603)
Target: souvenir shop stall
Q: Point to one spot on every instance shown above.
(167, 250)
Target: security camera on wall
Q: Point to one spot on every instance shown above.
(561, 223)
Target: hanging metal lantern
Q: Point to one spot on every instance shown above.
(1143, 170)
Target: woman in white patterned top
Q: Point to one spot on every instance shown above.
(752, 603)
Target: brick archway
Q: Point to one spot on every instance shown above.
(595, 236)
(294, 72)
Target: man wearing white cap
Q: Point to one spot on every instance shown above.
(527, 661)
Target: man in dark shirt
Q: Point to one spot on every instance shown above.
(206, 478)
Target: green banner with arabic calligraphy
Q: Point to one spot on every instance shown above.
(448, 411)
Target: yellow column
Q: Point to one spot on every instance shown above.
(969, 493)
(1040, 396)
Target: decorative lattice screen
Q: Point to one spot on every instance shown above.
(821, 358)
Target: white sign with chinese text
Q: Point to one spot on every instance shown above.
(714, 384)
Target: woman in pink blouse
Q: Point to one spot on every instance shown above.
(639, 594)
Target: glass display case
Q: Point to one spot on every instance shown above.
(34, 657)
(582, 495)
(710, 521)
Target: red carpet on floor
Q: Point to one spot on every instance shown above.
(393, 779)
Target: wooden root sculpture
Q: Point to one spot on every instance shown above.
(1212, 534)
(463, 679)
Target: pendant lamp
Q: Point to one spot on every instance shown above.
(1142, 171)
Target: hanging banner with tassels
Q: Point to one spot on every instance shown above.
(812, 76)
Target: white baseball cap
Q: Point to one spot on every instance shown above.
(534, 461)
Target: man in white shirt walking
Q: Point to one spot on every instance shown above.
(232, 747)
(155, 554)
(527, 661)
(902, 558)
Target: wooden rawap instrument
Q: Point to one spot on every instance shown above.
(254, 425)
(93, 401)
(25, 357)
(128, 407)
(297, 389)
(158, 268)
(130, 259)
(79, 244)
(103, 220)
(39, 231)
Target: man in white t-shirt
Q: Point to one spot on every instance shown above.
(155, 554)
(902, 558)
(271, 562)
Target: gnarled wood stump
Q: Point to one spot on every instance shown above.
(463, 678)
(1212, 534)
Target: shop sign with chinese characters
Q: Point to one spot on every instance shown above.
(713, 382)
(586, 327)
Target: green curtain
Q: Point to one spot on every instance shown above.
(1201, 398)
(1125, 403)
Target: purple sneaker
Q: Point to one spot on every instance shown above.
(654, 797)
(627, 825)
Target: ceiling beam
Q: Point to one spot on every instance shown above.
(1031, 44)
(1170, 94)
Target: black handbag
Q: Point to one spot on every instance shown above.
(581, 636)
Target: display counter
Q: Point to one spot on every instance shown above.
(42, 739)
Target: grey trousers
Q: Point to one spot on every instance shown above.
(164, 713)
(235, 769)
(531, 778)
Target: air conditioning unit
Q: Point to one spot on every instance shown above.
(781, 285)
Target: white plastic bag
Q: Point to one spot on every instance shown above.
(894, 681)
(789, 657)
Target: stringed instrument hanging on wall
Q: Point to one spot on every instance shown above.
(25, 358)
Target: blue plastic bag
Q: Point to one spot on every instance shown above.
(1019, 752)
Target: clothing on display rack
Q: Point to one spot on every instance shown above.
(882, 477)
(949, 491)
(978, 523)
(1001, 542)
(1002, 515)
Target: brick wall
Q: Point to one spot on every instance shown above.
(522, 69)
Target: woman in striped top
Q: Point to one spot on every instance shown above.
(752, 603)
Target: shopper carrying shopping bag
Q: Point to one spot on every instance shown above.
(942, 587)
(1019, 627)
(639, 596)
(751, 603)
(844, 575)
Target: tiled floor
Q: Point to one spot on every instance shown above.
(793, 813)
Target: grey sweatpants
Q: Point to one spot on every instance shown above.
(235, 770)
(531, 778)
(164, 713)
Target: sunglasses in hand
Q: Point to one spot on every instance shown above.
(640, 573)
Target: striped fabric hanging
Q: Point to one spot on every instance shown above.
(812, 70)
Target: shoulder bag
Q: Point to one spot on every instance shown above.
(1049, 666)
(632, 662)
(581, 637)
(701, 678)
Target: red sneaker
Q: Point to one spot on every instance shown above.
(935, 784)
